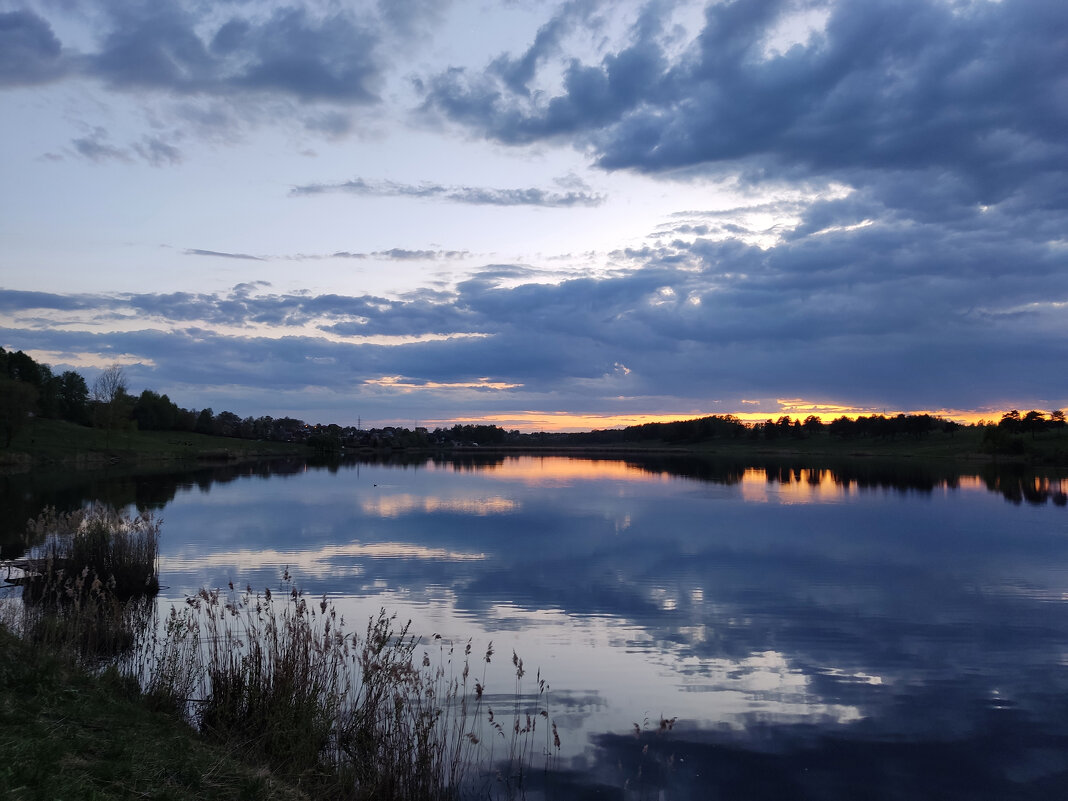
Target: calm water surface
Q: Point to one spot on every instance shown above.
(816, 635)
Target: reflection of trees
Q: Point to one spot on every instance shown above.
(23, 496)
(1016, 483)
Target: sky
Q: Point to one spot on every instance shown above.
(543, 215)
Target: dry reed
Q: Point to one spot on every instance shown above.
(343, 715)
(277, 679)
(87, 585)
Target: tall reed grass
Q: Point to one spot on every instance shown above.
(88, 583)
(341, 714)
(277, 678)
(93, 544)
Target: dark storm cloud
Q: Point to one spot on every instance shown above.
(30, 53)
(474, 195)
(968, 93)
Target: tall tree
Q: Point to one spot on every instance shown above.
(154, 412)
(73, 398)
(109, 395)
(205, 421)
(1033, 421)
(1010, 421)
(47, 392)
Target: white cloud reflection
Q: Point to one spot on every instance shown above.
(404, 504)
(328, 560)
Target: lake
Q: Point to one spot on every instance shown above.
(857, 631)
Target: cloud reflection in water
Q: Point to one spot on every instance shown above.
(783, 614)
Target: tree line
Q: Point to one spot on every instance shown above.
(28, 387)
(713, 427)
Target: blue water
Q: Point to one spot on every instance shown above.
(814, 634)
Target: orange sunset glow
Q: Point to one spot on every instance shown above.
(798, 409)
(559, 470)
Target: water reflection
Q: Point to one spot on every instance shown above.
(406, 503)
(321, 562)
(837, 631)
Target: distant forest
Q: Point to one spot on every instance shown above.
(29, 388)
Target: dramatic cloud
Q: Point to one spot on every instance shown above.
(890, 313)
(479, 196)
(850, 204)
(965, 95)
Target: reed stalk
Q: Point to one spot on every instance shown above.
(278, 680)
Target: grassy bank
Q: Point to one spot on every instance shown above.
(55, 443)
(67, 734)
(294, 713)
(72, 723)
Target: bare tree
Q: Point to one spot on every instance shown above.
(109, 393)
(109, 385)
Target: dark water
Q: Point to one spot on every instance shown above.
(859, 632)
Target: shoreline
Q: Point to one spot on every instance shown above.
(49, 446)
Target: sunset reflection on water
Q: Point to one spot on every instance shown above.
(801, 611)
(559, 470)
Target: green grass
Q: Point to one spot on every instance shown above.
(48, 442)
(65, 734)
